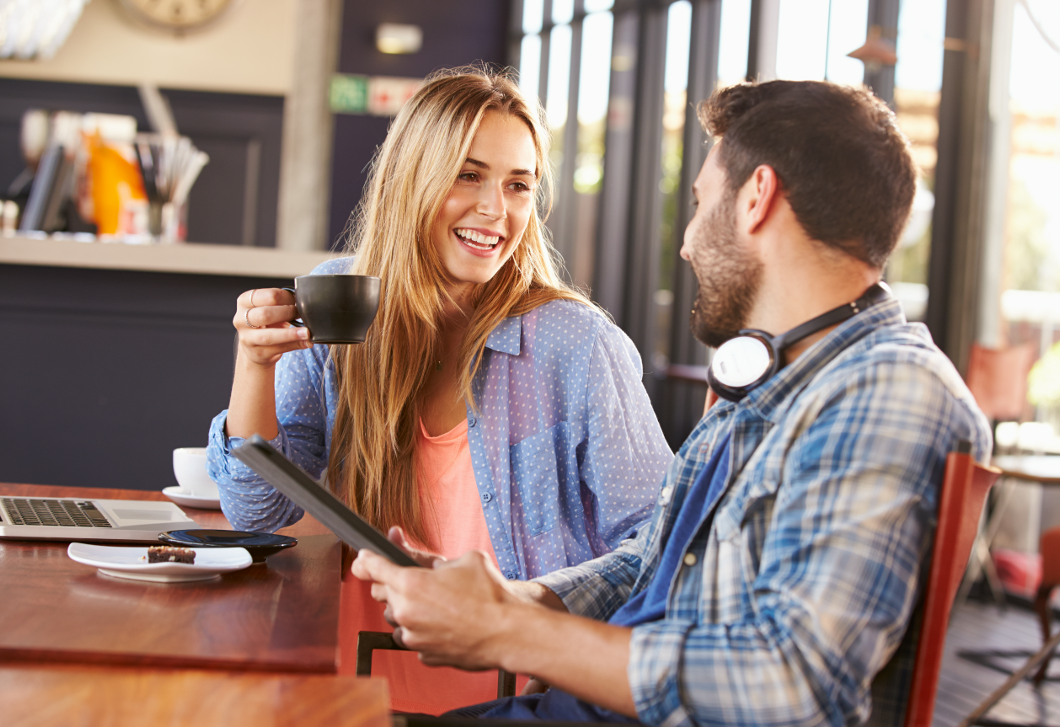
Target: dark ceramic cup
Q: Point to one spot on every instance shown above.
(336, 308)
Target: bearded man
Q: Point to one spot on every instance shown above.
(776, 580)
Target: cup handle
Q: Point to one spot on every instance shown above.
(297, 322)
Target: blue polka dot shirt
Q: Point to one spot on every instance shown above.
(567, 452)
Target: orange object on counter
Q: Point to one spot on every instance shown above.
(114, 184)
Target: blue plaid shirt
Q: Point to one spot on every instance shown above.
(565, 446)
(798, 591)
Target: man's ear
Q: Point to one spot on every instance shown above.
(760, 191)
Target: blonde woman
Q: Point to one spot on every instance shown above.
(491, 406)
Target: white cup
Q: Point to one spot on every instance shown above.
(189, 466)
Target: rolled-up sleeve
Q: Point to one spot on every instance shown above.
(247, 500)
(597, 588)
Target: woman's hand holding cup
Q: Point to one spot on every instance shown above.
(262, 320)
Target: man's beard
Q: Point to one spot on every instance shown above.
(728, 276)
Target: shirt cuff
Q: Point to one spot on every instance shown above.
(654, 670)
(228, 465)
(597, 588)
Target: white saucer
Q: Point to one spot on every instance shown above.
(182, 497)
(132, 563)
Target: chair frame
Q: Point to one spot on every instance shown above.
(369, 641)
(965, 486)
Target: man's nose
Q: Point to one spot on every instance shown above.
(686, 248)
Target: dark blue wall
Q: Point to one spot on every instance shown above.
(107, 371)
(454, 34)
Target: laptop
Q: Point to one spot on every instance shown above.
(89, 520)
(303, 490)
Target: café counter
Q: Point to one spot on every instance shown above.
(188, 258)
(115, 354)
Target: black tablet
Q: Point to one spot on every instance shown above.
(286, 477)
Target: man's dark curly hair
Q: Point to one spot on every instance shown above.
(840, 157)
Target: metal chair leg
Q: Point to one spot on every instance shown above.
(1041, 605)
(1044, 653)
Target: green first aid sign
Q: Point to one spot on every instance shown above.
(348, 94)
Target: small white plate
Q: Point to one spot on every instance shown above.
(182, 497)
(132, 563)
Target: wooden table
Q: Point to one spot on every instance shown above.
(1043, 469)
(280, 616)
(255, 647)
(77, 696)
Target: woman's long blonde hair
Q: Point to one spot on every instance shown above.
(380, 381)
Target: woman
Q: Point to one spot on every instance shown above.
(491, 405)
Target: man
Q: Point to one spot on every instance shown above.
(779, 571)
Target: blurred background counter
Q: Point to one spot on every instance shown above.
(115, 354)
(175, 258)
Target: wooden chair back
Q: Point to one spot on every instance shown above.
(965, 485)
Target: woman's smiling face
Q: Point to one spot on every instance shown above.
(487, 210)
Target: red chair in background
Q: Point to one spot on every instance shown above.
(997, 379)
(964, 489)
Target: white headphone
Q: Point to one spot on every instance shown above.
(752, 358)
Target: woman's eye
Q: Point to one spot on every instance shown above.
(468, 176)
(520, 186)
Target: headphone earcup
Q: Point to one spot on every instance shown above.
(746, 362)
(725, 392)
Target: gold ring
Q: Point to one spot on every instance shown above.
(246, 317)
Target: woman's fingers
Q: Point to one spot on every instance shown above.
(262, 320)
(264, 297)
(265, 316)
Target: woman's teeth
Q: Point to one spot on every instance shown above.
(477, 240)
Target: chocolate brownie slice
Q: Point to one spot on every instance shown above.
(170, 554)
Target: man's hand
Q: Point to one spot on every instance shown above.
(451, 612)
(464, 613)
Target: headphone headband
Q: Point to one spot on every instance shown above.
(747, 361)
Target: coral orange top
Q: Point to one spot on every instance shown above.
(447, 484)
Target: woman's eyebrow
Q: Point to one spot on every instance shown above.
(484, 165)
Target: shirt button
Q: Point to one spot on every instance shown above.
(690, 558)
(472, 422)
(486, 497)
(510, 576)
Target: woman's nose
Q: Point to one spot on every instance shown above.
(491, 202)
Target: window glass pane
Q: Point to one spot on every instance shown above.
(918, 81)
(1030, 301)
(593, 90)
(735, 31)
(847, 32)
(558, 75)
(592, 6)
(678, 37)
(533, 12)
(530, 65)
(562, 11)
(802, 39)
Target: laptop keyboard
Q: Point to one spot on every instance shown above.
(42, 511)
